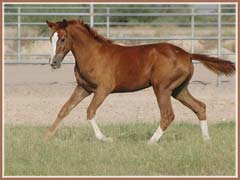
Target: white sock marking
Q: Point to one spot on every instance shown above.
(204, 128)
(96, 129)
(156, 136)
(54, 45)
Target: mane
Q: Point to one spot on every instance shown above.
(91, 32)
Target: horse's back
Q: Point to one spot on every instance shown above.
(136, 67)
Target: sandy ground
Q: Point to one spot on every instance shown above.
(34, 94)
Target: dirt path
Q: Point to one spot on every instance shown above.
(34, 94)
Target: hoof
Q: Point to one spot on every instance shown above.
(106, 139)
(151, 142)
(48, 135)
(206, 138)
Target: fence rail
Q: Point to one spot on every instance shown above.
(93, 12)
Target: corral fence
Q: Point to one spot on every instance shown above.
(109, 16)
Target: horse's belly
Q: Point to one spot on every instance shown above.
(122, 89)
(132, 84)
(132, 76)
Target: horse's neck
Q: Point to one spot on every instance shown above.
(83, 50)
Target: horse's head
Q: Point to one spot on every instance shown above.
(61, 42)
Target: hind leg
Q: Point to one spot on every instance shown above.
(167, 115)
(198, 107)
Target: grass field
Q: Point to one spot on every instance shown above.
(76, 152)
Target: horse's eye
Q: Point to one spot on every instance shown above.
(62, 40)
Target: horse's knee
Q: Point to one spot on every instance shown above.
(201, 113)
(171, 117)
(90, 114)
(63, 112)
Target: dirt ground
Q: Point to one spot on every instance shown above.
(33, 95)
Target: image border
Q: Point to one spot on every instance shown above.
(120, 2)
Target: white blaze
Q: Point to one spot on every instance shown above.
(54, 45)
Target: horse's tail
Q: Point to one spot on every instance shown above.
(216, 65)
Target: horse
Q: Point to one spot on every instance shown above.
(103, 67)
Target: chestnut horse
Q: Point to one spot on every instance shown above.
(103, 67)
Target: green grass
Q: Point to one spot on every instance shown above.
(76, 152)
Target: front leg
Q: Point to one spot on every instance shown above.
(78, 95)
(97, 100)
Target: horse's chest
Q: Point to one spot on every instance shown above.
(85, 81)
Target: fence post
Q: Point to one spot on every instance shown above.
(91, 14)
(193, 30)
(19, 36)
(219, 50)
(108, 22)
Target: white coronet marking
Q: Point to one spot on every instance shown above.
(99, 135)
(204, 128)
(54, 45)
(156, 136)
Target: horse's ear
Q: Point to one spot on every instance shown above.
(64, 24)
(51, 24)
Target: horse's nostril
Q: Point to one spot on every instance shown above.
(54, 63)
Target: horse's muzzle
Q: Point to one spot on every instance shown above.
(55, 63)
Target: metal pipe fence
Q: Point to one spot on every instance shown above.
(15, 15)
